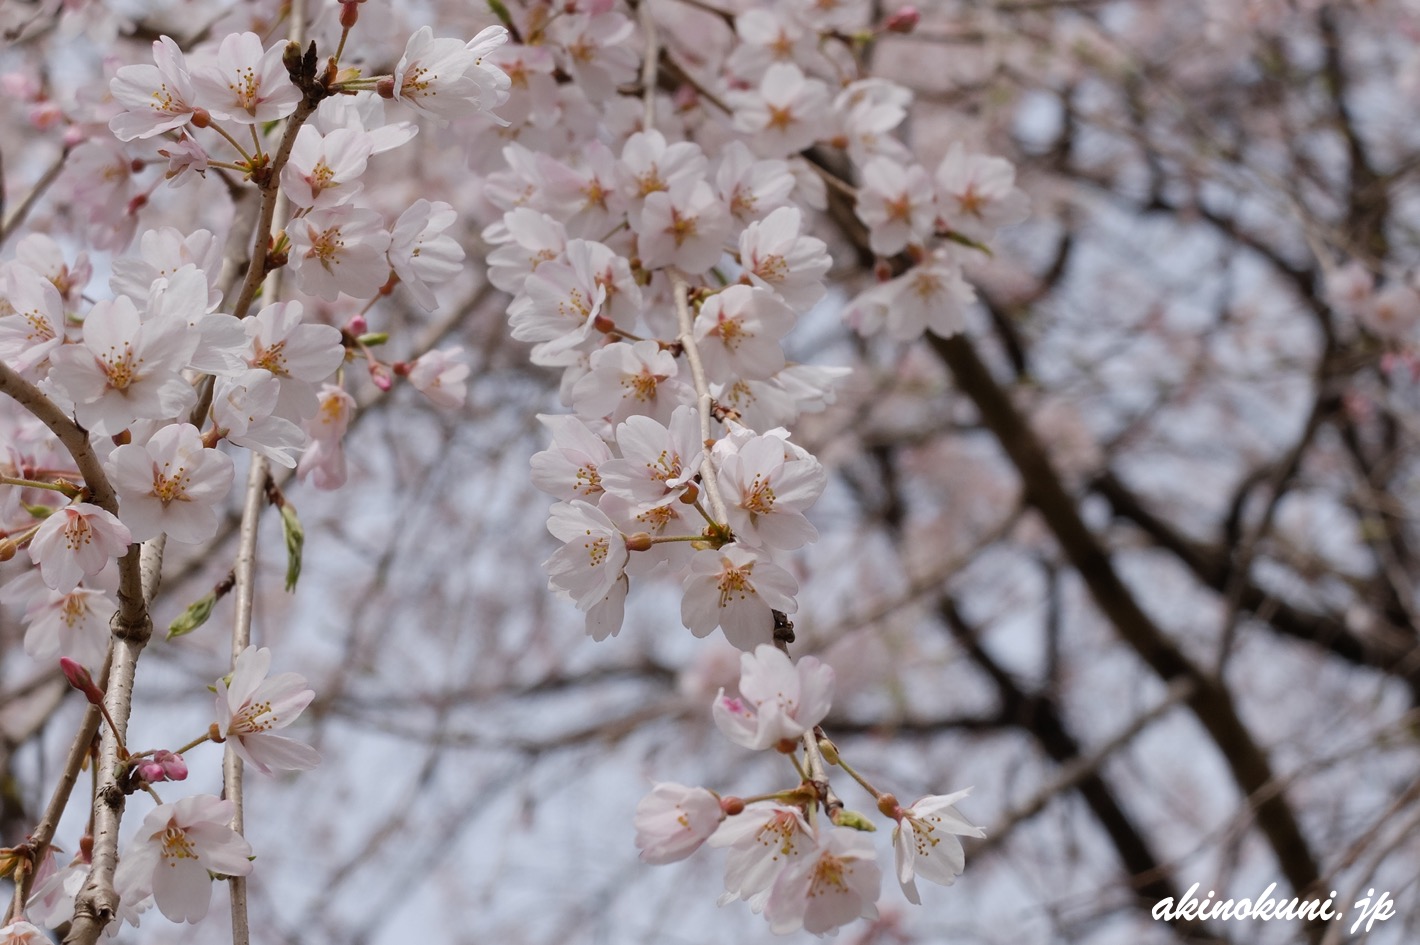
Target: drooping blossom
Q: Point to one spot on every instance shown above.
(827, 887)
(674, 820)
(925, 842)
(736, 589)
(422, 253)
(441, 374)
(76, 542)
(779, 699)
(155, 98)
(177, 848)
(590, 567)
(449, 78)
(252, 706)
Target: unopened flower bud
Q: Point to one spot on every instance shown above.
(381, 376)
(641, 541)
(80, 679)
(852, 819)
(357, 325)
(7, 549)
(905, 20)
(193, 617)
(829, 750)
(164, 766)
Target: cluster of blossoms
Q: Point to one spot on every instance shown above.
(801, 862)
(659, 248)
(138, 401)
(655, 230)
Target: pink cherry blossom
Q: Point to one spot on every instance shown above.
(176, 848)
(339, 249)
(977, 193)
(125, 369)
(763, 840)
(785, 114)
(931, 296)
(738, 332)
(657, 462)
(896, 203)
(827, 887)
(449, 78)
(324, 459)
(32, 323)
(685, 226)
(245, 83)
(76, 542)
(776, 257)
(736, 589)
(324, 170)
(925, 842)
(422, 253)
(156, 98)
(73, 624)
(750, 187)
(251, 707)
(243, 410)
(172, 484)
(626, 379)
(570, 468)
(767, 490)
(21, 932)
(300, 354)
(441, 375)
(779, 699)
(590, 566)
(674, 820)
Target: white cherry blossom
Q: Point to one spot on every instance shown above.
(738, 332)
(171, 484)
(155, 98)
(448, 78)
(827, 887)
(776, 257)
(779, 699)
(925, 842)
(896, 203)
(176, 849)
(339, 249)
(77, 542)
(736, 589)
(674, 820)
(252, 706)
(245, 83)
(570, 468)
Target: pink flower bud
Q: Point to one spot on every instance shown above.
(80, 679)
(357, 325)
(905, 20)
(381, 376)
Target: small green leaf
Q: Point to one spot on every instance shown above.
(295, 541)
(192, 618)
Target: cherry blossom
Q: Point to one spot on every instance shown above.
(251, 707)
(736, 589)
(245, 83)
(630, 379)
(776, 257)
(925, 842)
(299, 354)
(931, 296)
(324, 170)
(827, 887)
(685, 226)
(324, 458)
(977, 193)
(73, 624)
(657, 461)
(243, 410)
(176, 847)
(785, 114)
(590, 566)
(76, 542)
(763, 841)
(896, 203)
(674, 820)
(170, 485)
(441, 375)
(421, 252)
(738, 331)
(125, 369)
(448, 78)
(339, 249)
(571, 468)
(21, 932)
(31, 319)
(156, 98)
(767, 491)
(779, 699)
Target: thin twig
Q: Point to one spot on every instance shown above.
(51, 174)
(702, 391)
